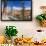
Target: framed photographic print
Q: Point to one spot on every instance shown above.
(16, 10)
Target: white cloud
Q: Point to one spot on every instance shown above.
(17, 8)
(28, 8)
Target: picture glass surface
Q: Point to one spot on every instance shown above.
(27, 10)
(16, 10)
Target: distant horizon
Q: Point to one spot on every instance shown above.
(14, 7)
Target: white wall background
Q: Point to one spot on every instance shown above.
(26, 27)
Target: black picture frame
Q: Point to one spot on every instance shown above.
(22, 12)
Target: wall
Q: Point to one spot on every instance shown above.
(27, 27)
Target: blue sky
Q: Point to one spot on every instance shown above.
(18, 4)
(18, 0)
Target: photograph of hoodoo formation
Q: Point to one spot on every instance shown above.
(16, 10)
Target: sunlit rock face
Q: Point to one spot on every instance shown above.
(17, 11)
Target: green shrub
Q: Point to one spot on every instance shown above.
(11, 31)
(41, 17)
